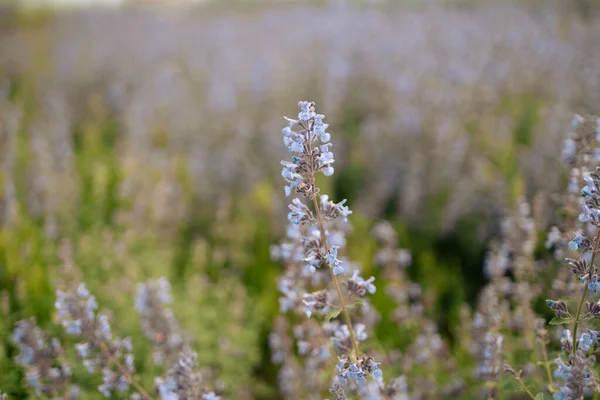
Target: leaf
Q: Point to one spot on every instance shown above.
(356, 303)
(333, 313)
(560, 321)
(539, 396)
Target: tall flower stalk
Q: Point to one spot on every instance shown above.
(316, 240)
(582, 151)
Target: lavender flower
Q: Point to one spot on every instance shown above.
(158, 322)
(98, 350)
(582, 145)
(183, 381)
(320, 241)
(38, 356)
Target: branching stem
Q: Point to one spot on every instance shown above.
(125, 373)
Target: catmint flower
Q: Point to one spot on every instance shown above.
(307, 110)
(82, 291)
(566, 340)
(312, 264)
(372, 367)
(348, 371)
(316, 301)
(361, 332)
(344, 210)
(36, 354)
(304, 347)
(336, 264)
(563, 394)
(73, 327)
(83, 349)
(158, 323)
(76, 312)
(359, 371)
(300, 213)
(288, 170)
(342, 340)
(328, 170)
(562, 371)
(586, 215)
(291, 297)
(554, 238)
(337, 391)
(573, 184)
(331, 210)
(326, 156)
(586, 341)
(377, 374)
(358, 286)
(320, 127)
(579, 243)
(183, 381)
(594, 285)
(569, 148)
(590, 188)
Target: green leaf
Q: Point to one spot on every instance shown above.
(333, 313)
(356, 303)
(539, 396)
(560, 321)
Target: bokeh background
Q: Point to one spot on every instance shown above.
(143, 140)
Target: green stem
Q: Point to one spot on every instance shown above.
(546, 364)
(525, 389)
(336, 283)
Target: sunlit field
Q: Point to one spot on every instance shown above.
(300, 200)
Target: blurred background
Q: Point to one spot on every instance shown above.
(141, 139)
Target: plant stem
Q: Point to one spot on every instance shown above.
(546, 365)
(326, 246)
(336, 283)
(584, 294)
(122, 369)
(517, 376)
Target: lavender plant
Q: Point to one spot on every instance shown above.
(183, 381)
(574, 368)
(48, 374)
(47, 371)
(159, 323)
(319, 248)
(98, 349)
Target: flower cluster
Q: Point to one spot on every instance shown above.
(158, 322)
(49, 375)
(358, 371)
(98, 349)
(183, 381)
(394, 261)
(312, 254)
(582, 150)
(40, 358)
